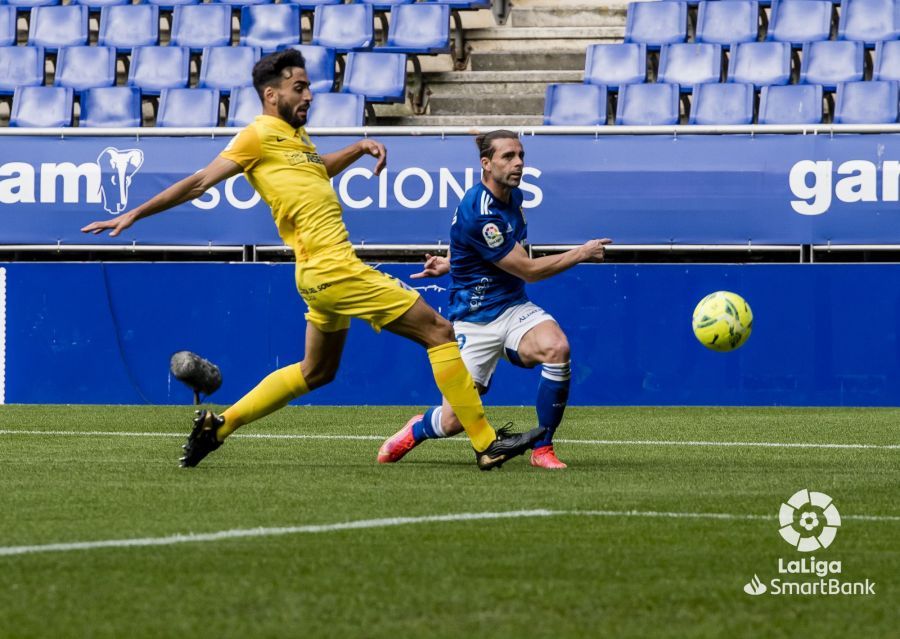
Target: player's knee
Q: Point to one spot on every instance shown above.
(321, 376)
(556, 350)
(441, 331)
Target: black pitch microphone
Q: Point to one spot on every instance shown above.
(200, 375)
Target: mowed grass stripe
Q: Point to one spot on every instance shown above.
(589, 442)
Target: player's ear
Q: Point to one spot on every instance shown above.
(269, 94)
(485, 164)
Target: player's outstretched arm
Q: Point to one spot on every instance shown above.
(340, 160)
(518, 263)
(190, 188)
(435, 266)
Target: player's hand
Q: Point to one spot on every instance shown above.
(376, 150)
(595, 250)
(435, 266)
(115, 226)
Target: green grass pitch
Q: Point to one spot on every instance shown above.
(630, 570)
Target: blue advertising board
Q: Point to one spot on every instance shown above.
(654, 189)
(823, 334)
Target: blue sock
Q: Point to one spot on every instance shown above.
(429, 427)
(553, 394)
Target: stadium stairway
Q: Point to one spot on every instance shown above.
(509, 66)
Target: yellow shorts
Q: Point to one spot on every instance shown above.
(338, 289)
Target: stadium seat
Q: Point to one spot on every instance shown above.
(99, 4)
(727, 22)
(887, 61)
(55, 27)
(200, 26)
(385, 5)
(243, 106)
(188, 108)
(270, 26)
(30, 4)
(110, 107)
(461, 4)
(169, 5)
(310, 5)
(225, 67)
(319, 66)
(656, 23)
(380, 77)
(336, 109)
(575, 105)
(612, 65)
(873, 102)
(85, 67)
(22, 67)
(869, 21)
(648, 104)
(41, 107)
(760, 63)
(716, 103)
(418, 28)
(242, 3)
(344, 27)
(156, 68)
(689, 64)
(828, 63)
(7, 26)
(791, 104)
(799, 21)
(128, 27)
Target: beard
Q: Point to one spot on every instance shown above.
(290, 115)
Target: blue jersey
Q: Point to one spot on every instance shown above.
(484, 231)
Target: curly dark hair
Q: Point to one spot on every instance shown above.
(270, 69)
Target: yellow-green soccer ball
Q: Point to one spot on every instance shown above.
(722, 321)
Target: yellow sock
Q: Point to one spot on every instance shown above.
(457, 386)
(272, 393)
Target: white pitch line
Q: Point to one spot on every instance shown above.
(243, 533)
(590, 442)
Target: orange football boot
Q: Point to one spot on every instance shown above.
(397, 445)
(544, 457)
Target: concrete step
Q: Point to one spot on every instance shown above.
(470, 120)
(485, 80)
(549, 33)
(531, 103)
(575, 14)
(531, 60)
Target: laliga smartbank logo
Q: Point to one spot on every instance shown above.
(808, 521)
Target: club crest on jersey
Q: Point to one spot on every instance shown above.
(492, 235)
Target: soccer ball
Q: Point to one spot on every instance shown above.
(722, 321)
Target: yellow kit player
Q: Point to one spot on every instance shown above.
(281, 163)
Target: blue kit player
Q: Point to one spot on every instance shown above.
(490, 310)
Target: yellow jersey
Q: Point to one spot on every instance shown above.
(282, 164)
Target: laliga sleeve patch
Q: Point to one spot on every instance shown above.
(492, 235)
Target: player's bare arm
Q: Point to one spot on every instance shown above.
(434, 266)
(190, 188)
(340, 160)
(518, 263)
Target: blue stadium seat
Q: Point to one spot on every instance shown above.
(727, 22)
(790, 104)
(656, 23)
(225, 67)
(156, 68)
(799, 21)
(200, 26)
(760, 63)
(648, 104)
(462, 4)
(85, 67)
(270, 26)
(42, 107)
(99, 4)
(336, 109)
(419, 28)
(344, 27)
(689, 64)
(241, 3)
(169, 5)
(7, 26)
(243, 106)
(110, 107)
(188, 108)
(717, 103)
(612, 65)
(869, 21)
(30, 4)
(828, 63)
(128, 27)
(319, 66)
(384, 5)
(575, 105)
(887, 61)
(22, 67)
(310, 5)
(874, 102)
(55, 27)
(381, 77)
